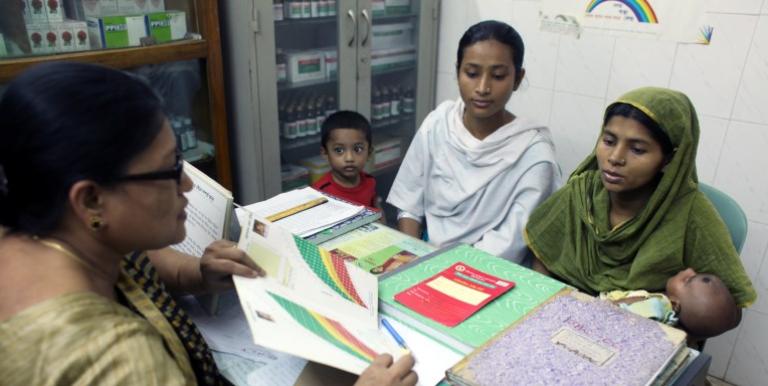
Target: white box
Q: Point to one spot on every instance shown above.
(80, 32)
(391, 35)
(156, 5)
(37, 14)
(116, 31)
(54, 10)
(67, 38)
(166, 26)
(97, 8)
(132, 7)
(331, 63)
(305, 65)
(36, 35)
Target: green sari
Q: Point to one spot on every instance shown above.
(570, 233)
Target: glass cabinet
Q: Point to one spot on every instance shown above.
(291, 63)
(173, 44)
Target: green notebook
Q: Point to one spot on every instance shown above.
(531, 289)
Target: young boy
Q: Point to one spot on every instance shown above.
(691, 299)
(346, 144)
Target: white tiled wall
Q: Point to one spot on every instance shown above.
(569, 83)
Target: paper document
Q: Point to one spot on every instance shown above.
(208, 212)
(309, 221)
(432, 358)
(313, 305)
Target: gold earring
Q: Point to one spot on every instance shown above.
(96, 222)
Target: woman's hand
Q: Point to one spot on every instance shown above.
(382, 372)
(220, 261)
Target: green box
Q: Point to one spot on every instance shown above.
(116, 31)
(166, 26)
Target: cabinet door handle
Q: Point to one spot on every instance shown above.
(368, 25)
(351, 16)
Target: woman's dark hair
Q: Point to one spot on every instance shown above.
(345, 119)
(63, 122)
(629, 111)
(493, 30)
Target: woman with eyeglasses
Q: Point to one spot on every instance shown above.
(89, 175)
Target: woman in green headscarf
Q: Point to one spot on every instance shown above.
(631, 215)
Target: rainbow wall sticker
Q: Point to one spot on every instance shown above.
(330, 269)
(640, 8)
(327, 329)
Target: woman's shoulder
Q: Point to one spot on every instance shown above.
(83, 335)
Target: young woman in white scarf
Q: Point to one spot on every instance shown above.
(475, 171)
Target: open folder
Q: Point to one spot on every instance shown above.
(310, 304)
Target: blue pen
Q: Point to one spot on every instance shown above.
(394, 334)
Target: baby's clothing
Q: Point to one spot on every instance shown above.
(654, 306)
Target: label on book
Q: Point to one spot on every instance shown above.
(454, 294)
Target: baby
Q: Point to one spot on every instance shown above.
(691, 298)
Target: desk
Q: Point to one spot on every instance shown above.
(316, 374)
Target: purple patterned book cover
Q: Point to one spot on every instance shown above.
(573, 339)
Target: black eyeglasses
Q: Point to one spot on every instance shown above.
(169, 174)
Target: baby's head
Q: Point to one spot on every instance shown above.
(346, 144)
(704, 304)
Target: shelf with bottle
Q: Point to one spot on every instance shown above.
(301, 115)
(287, 12)
(391, 103)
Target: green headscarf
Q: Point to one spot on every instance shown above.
(678, 228)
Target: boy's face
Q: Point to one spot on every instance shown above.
(347, 151)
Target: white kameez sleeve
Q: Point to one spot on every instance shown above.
(407, 193)
(533, 187)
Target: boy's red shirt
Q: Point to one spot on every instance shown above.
(364, 193)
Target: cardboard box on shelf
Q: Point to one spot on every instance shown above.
(67, 37)
(54, 11)
(305, 66)
(317, 166)
(36, 9)
(392, 35)
(36, 34)
(166, 26)
(80, 32)
(116, 31)
(384, 59)
(331, 62)
(386, 152)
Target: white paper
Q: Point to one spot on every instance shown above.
(238, 358)
(432, 358)
(268, 372)
(207, 212)
(310, 221)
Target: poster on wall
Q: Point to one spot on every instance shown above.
(682, 21)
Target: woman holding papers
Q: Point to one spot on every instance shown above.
(475, 170)
(89, 172)
(631, 215)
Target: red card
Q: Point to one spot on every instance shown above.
(454, 294)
